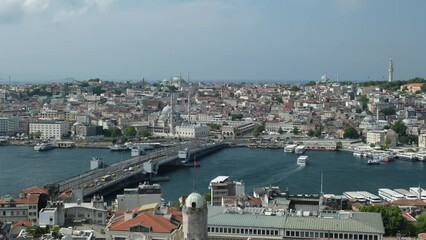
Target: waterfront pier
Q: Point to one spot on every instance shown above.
(112, 178)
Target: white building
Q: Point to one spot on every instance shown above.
(24, 207)
(376, 137)
(422, 141)
(50, 129)
(192, 131)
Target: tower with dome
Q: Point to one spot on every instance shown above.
(195, 217)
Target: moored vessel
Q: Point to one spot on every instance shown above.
(302, 160)
(45, 145)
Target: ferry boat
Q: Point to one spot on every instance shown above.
(119, 147)
(290, 148)
(43, 146)
(300, 149)
(406, 157)
(302, 160)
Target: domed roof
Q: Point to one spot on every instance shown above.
(368, 119)
(166, 109)
(194, 200)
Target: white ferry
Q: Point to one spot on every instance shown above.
(290, 148)
(419, 192)
(407, 194)
(302, 160)
(371, 198)
(119, 147)
(355, 197)
(300, 149)
(46, 145)
(390, 195)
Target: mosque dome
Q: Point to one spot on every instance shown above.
(369, 119)
(194, 200)
(167, 109)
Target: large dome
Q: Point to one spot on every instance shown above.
(369, 119)
(194, 200)
(166, 109)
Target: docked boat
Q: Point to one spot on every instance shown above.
(300, 149)
(45, 145)
(373, 161)
(119, 147)
(290, 148)
(406, 157)
(357, 154)
(302, 160)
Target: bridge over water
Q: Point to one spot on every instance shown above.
(143, 168)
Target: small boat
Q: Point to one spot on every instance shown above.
(119, 147)
(302, 160)
(45, 145)
(300, 149)
(373, 161)
(290, 148)
(357, 154)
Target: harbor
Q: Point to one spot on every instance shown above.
(257, 167)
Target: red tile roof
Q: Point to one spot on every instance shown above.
(156, 223)
(31, 199)
(407, 202)
(24, 223)
(255, 200)
(35, 190)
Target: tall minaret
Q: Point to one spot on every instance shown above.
(390, 71)
(172, 105)
(189, 107)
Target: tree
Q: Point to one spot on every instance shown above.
(116, 132)
(421, 224)
(145, 133)
(129, 131)
(214, 126)
(208, 196)
(423, 87)
(236, 116)
(98, 90)
(339, 145)
(387, 143)
(350, 132)
(388, 111)
(317, 133)
(311, 83)
(393, 220)
(294, 88)
(399, 127)
(258, 130)
(295, 130)
(280, 130)
(363, 100)
(311, 133)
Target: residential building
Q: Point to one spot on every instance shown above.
(422, 141)
(220, 187)
(21, 208)
(50, 129)
(9, 125)
(412, 87)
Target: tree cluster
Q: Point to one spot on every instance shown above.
(258, 130)
(350, 132)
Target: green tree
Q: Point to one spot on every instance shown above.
(129, 131)
(399, 127)
(295, 130)
(423, 88)
(98, 90)
(350, 132)
(387, 143)
(258, 130)
(388, 111)
(421, 224)
(208, 196)
(393, 220)
(339, 145)
(106, 132)
(116, 132)
(311, 83)
(214, 126)
(404, 140)
(363, 100)
(280, 130)
(236, 116)
(145, 133)
(294, 88)
(317, 133)
(311, 133)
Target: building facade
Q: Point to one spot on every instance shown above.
(49, 129)
(376, 137)
(192, 131)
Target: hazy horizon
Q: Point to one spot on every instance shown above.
(48, 41)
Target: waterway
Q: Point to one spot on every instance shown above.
(22, 167)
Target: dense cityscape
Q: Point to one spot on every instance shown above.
(381, 120)
(212, 120)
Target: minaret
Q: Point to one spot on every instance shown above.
(189, 107)
(390, 71)
(172, 112)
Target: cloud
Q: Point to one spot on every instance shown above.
(14, 10)
(82, 7)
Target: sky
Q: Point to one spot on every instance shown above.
(233, 40)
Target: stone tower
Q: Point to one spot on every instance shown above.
(390, 71)
(195, 218)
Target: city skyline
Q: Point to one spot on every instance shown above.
(213, 40)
